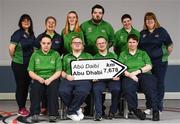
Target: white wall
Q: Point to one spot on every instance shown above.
(167, 12)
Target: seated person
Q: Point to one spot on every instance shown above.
(99, 86)
(138, 77)
(73, 92)
(44, 68)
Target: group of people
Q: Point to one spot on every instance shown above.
(43, 63)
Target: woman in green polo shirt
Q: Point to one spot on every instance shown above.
(71, 30)
(73, 92)
(45, 68)
(138, 77)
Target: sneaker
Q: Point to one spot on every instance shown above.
(111, 116)
(148, 111)
(23, 112)
(34, 118)
(74, 117)
(139, 114)
(155, 116)
(98, 118)
(52, 119)
(43, 111)
(80, 114)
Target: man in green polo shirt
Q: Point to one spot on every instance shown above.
(96, 27)
(73, 92)
(138, 77)
(44, 68)
(92, 29)
(121, 35)
(99, 86)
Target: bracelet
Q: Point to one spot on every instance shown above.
(141, 70)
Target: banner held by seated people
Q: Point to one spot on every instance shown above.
(96, 69)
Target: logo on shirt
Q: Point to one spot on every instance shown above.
(144, 35)
(56, 42)
(89, 29)
(37, 61)
(52, 61)
(121, 37)
(103, 31)
(157, 35)
(25, 36)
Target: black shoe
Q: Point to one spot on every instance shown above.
(98, 118)
(139, 114)
(111, 116)
(155, 116)
(35, 118)
(52, 119)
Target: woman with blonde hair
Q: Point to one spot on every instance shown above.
(71, 30)
(156, 41)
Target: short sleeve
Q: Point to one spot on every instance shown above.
(146, 58)
(15, 38)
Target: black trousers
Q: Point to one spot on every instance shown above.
(22, 83)
(147, 84)
(36, 94)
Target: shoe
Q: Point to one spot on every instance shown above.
(111, 116)
(98, 118)
(148, 111)
(155, 116)
(74, 117)
(43, 111)
(23, 112)
(52, 119)
(34, 118)
(139, 114)
(80, 114)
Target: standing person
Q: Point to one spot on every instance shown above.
(73, 92)
(20, 50)
(45, 68)
(121, 35)
(92, 29)
(96, 27)
(57, 41)
(99, 86)
(138, 77)
(156, 41)
(71, 30)
(57, 45)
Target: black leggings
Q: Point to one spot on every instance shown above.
(22, 83)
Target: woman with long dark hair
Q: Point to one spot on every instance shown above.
(20, 50)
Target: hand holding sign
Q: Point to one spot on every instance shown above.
(96, 69)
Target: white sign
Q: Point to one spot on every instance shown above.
(96, 69)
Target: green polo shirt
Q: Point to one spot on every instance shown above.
(121, 35)
(68, 38)
(109, 55)
(45, 65)
(69, 57)
(136, 61)
(92, 31)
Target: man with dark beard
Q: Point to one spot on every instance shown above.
(93, 29)
(96, 27)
